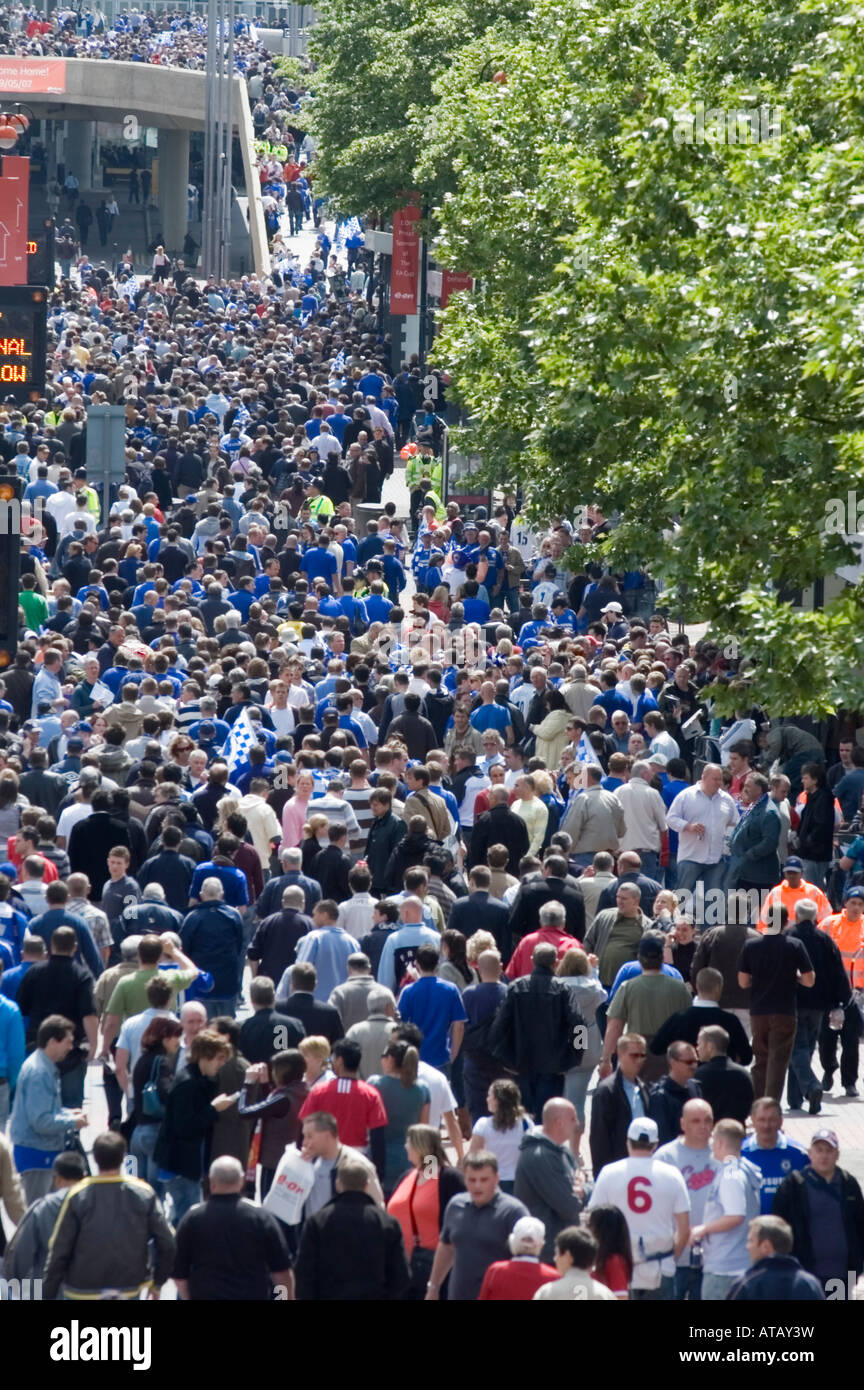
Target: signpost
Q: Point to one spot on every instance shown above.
(106, 449)
(23, 347)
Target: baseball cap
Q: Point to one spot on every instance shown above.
(658, 760)
(612, 608)
(853, 893)
(74, 745)
(84, 727)
(828, 1136)
(206, 728)
(794, 864)
(643, 1131)
(9, 870)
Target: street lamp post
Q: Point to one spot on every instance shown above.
(218, 137)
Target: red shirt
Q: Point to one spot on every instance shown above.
(515, 1281)
(355, 1106)
(614, 1275)
(520, 961)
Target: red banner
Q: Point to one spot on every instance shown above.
(405, 265)
(452, 281)
(23, 75)
(13, 231)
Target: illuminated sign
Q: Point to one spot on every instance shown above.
(23, 312)
(40, 252)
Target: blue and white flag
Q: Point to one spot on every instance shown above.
(240, 739)
(585, 751)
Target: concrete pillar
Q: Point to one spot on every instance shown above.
(79, 151)
(173, 183)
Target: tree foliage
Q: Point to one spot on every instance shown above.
(670, 326)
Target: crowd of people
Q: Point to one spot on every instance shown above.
(386, 872)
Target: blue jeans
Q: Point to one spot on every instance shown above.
(650, 863)
(815, 871)
(220, 1008)
(576, 1088)
(801, 1078)
(688, 1284)
(582, 861)
(72, 1086)
(538, 1087)
(690, 873)
(184, 1194)
(141, 1147)
(716, 1286)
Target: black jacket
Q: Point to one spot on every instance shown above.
(274, 945)
(481, 912)
(727, 1089)
(685, 1025)
(610, 1120)
(816, 831)
(319, 1020)
(384, 835)
(525, 912)
(267, 1032)
(832, 988)
(351, 1251)
(667, 1100)
(777, 1279)
(534, 1028)
(499, 826)
(183, 1145)
(89, 843)
(790, 1202)
(331, 867)
(411, 850)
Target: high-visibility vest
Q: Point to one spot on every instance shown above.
(790, 897)
(849, 939)
(320, 505)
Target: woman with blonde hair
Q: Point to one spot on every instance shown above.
(315, 1051)
(225, 808)
(296, 811)
(314, 838)
(578, 972)
(406, 1101)
(420, 1200)
(479, 942)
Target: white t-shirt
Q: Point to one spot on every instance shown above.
(734, 1192)
(523, 539)
(441, 1098)
(79, 810)
(650, 1194)
(503, 1143)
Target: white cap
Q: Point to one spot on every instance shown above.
(643, 1131)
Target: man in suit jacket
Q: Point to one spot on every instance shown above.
(266, 1031)
(612, 1107)
(726, 1086)
(319, 1020)
(499, 826)
(552, 887)
(481, 912)
(753, 858)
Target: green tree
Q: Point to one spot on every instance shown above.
(673, 327)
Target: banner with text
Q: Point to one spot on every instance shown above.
(405, 266)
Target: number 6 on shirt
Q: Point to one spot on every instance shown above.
(639, 1200)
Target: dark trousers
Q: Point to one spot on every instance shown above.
(802, 1079)
(537, 1087)
(113, 1097)
(773, 1040)
(688, 1284)
(72, 1086)
(477, 1081)
(849, 1036)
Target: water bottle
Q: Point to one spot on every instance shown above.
(696, 1255)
